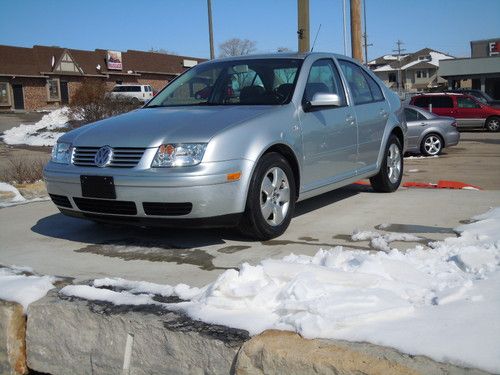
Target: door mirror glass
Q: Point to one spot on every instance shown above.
(323, 99)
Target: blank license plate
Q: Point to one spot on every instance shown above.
(98, 187)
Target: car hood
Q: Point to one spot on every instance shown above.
(151, 127)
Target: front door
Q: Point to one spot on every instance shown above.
(17, 90)
(329, 134)
(64, 93)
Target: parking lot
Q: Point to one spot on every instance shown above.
(37, 235)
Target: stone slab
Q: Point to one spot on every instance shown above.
(12, 338)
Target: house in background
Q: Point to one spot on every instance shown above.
(46, 77)
(418, 70)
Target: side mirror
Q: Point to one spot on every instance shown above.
(322, 99)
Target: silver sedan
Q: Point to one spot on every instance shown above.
(234, 142)
(428, 133)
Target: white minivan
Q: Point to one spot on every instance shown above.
(140, 92)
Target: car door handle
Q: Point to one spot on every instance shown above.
(423, 124)
(350, 119)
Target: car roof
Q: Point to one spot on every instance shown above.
(281, 55)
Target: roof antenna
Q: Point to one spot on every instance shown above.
(316, 37)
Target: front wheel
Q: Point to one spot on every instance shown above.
(389, 177)
(271, 199)
(493, 124)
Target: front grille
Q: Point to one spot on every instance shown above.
(60, 200)
(104, 206)
(167, 209)
(123, 157)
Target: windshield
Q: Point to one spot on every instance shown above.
(241, 82)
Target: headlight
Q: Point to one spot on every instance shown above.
(179, 155)
(61, 153)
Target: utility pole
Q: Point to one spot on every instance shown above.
(303, 25)
(365, 35)
(399, 43)
(344, 17)
(356, 49)
(210, 29)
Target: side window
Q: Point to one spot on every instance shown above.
(374, 88)
(466, 103)
(324, 78)
(422, 101)
(411, 114)
(441, 102)
(360, 89)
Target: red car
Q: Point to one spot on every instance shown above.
(467, 110)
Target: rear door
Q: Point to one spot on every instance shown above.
(328, 133)
(442, 105)
(371, 111)
(469, 112)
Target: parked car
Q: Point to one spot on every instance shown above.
(429, 133)
(302, 125)
(140, 93)
(466, 109)
(479, 95)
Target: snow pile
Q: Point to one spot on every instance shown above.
(43, 133)
(20, 285)
(10, 196)
(441, 301)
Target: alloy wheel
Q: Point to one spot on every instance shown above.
(432, 145)
(274, 196)
(394, 163)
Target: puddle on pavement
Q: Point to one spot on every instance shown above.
(322, 245)
(308, 239)
(232, 249)
(152, 252)
(410, 228)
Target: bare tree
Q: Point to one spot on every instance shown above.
(236, 47)
(161, 50)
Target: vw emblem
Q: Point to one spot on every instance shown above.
(103, 156)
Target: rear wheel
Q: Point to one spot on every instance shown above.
(389, 177)
(493, 124)
(431, 145)
(271, 199)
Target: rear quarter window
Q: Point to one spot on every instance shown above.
(422, 101)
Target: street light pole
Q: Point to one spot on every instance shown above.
(210, 29)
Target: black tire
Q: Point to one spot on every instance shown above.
(432, 145)
(493, 124)
(384, 182)
(253, 223)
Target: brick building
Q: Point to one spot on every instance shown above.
(43, 77)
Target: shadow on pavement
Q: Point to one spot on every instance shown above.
(88, 232)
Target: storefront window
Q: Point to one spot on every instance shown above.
(4, 93)
(53, 87)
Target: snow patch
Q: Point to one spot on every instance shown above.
(18, 284)
(381, 241)
(43, 133)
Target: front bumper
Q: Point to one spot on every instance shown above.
(205, 186)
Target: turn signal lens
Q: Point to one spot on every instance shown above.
(233, 176)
